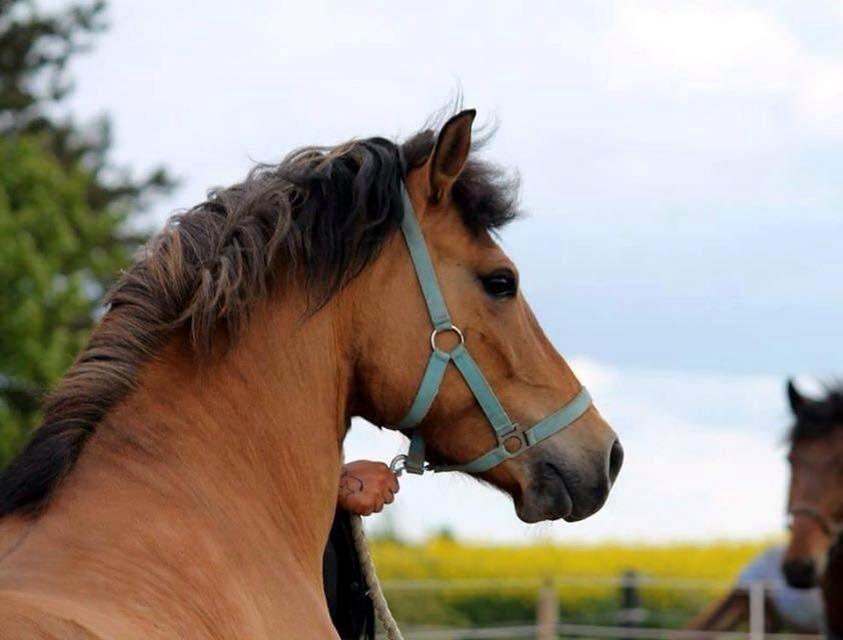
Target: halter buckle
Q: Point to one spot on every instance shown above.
(436, 332)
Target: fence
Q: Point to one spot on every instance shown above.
(628, 620)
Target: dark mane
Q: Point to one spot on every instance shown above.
(322, 214)
(816, 418)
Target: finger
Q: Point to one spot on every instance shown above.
(388, 497)
(378, 507)
(395, 485)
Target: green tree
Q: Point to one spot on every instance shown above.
(64, 208)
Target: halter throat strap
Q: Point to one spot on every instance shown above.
(511, 439)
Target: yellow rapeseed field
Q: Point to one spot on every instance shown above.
(584, 576)
(446, 559)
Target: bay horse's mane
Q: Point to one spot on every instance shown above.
(816, 417)
(322, 215)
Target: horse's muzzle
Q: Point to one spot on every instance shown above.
(558, 491)
(800, 573)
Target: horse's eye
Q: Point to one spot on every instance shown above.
(500, 284)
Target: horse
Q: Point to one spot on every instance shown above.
(814, 554)
(184, 479)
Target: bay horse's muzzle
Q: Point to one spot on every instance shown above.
(800, 573)
(811, 535)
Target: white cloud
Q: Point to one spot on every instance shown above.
(819, 103)
(703, 461)
(690, 48)
(700, 48)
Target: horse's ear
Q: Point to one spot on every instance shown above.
(796, 399)
(450, 154)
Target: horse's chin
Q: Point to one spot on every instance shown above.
(554, 493)
(542, 502)
(532, 512)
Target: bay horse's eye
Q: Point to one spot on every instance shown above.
(500, 284)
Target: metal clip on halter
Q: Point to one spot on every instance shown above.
(505, 429)
(397, 464)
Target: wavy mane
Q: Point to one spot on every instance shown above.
(322, 214)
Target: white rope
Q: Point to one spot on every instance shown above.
(379, 603)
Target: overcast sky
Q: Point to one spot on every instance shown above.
(680, 168)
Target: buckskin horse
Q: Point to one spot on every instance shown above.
(184, 479)
(814, 555)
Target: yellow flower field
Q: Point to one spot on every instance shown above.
(472, 585)
(447, 559)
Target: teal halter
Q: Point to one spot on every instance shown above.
(511, 440)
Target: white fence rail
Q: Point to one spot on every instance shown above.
(630, 615)
(517, 632)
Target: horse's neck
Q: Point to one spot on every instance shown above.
(216, 479)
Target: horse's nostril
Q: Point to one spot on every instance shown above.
(615, 460)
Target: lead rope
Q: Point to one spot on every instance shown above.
(379, 602)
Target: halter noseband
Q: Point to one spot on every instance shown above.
(831, 528)
(512, 441)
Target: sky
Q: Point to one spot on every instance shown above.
(680, 174)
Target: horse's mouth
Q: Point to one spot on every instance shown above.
(546, 497)
(555, 493)
(800, 574)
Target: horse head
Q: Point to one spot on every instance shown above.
(815, 501)
(478, 416)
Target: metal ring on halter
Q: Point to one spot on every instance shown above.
(436, 332)
(513, 436)
(397, 465)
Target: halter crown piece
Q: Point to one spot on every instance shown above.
(511, 440)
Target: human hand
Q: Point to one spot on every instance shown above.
(366, 486)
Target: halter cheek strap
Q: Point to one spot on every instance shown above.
(511, 440)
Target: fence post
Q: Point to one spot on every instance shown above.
(756, 611)
(548, 612)
(631, 613)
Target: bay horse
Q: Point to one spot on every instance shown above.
(184, 479)
(814, 555)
